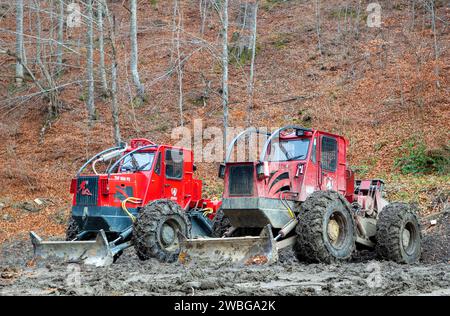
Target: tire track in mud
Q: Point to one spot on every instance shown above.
(129, 276)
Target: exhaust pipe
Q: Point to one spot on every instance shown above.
(96, 252)
(241, 250)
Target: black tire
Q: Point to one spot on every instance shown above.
(220, 224)
(326, 229)
(155, 231)
(398, 234)
(72, 230)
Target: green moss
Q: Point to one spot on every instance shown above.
(281, 40)
(237, 57)
(154, 3)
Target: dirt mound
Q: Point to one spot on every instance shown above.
(436, 240)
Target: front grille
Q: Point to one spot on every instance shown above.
(240, 180)
(87, 190)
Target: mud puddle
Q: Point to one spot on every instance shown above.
(129, 276)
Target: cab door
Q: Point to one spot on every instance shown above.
(328, 163)
(173, 175)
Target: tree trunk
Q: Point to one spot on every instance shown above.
(436, 48)
(177, 25)
(59, 49)
(90, 63)
(19, 42)
(252, 65)
(225, 70)
(319, 44)
(114, 105)
(134, 51)
(101, 47)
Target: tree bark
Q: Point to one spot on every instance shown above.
(59, 49)
(225, 70)
(101, 47)
(90, 63)
(436, 48)
(115, 111)
(19, 42)
(252, 65)
(177, 25)
(319, 43)
(134, 51)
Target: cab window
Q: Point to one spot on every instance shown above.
(140, 161)
(314, 150)
(174, 164)
(287, 150)
(329, 153)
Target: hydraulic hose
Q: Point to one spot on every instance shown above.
(125, 209)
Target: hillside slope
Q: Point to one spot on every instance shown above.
(382, 88)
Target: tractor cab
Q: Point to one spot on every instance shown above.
(132, 176)
(294, 162)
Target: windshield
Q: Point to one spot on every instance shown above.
(137, 162)
(285, 150)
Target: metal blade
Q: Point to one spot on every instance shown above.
(96, 252)
(244, 250)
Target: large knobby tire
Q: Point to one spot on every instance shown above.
(72, 230)
(398, 234)
(155, 231)
(326, 229)
(220, 224)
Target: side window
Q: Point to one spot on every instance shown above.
(329, 153)
(174, 164)
(158, 165)
(314, 150)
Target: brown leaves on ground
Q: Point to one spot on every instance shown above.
(378, 87)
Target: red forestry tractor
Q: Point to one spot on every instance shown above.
(302, 193)
(146, 197)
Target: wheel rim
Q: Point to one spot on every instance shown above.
(336, 230)
(168, 235)
(409, 235)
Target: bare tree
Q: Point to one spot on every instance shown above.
(252, 65)
(432, 8)
(319, 44)
(19, 43)
(134, 51)
(48, 86)
(413, 14)
(90, 62)
(101, 47)
(177, 29)
(114, 66)
(59, 49)
(224, 20)
(203, 6)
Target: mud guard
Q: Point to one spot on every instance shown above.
(241, 250)
(96, 252)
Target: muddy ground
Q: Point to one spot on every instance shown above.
(364, 275)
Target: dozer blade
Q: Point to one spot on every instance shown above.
(96, 252)
(240, 250)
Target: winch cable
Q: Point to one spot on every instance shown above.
(125, 209)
